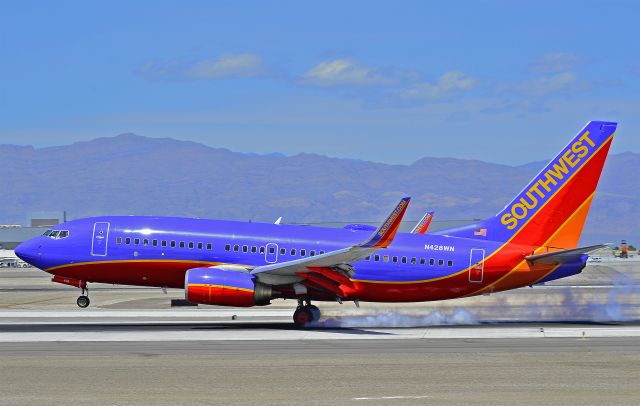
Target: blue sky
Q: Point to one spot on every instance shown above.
(501, 81)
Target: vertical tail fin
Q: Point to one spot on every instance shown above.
(552, 208)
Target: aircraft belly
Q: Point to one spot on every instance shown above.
(143, 273)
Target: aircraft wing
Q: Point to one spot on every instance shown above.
(423, 224)
(561, 257)
(335, 265)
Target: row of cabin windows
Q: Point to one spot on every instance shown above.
(303, 253)
(405, 260)
(163, 243)
(272, 250)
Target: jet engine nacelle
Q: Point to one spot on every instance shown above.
(225, 288)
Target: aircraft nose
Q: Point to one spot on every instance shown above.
(26, 252)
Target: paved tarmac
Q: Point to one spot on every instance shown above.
(343, 372)
(575, 344)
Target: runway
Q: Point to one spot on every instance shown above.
(573, 345)
(344, 372)
(258, 325)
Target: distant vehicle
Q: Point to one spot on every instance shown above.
(624, 249)
(532, 240)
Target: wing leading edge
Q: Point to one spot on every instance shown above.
(338, 261)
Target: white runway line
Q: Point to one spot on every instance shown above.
(394, 397)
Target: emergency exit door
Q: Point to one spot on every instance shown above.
(476, 265)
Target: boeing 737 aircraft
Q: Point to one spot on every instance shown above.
(533, 239)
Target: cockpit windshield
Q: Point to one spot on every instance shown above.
(56, 234)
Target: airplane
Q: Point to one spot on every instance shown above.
(423, 224)
(532, 240)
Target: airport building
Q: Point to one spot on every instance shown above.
(36, 223)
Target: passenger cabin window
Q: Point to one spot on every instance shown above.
(254, 249)
(145, 242)
(376, 258)
(283, 251)
(164, 243)
(191, 245)
(236, 248)
(312, 253)
(262, 250)
(227, 247)
(321, 252)
(173, 244)
(245, 248)
(293, 251)
(137, 241)
(303, 253)
(395, 259)
(413, 260)
(272, 250)
(119, 240)
(209, 246)
(404, 260)
(449, 263)
(127, 240)
(423, 261)
(181, 244)
(386, 258)
(367, 258)
(200, 245)
(441, 262)
(154, 243)
(432, 261)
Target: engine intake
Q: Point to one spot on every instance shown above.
(225, 288)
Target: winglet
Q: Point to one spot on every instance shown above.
(384, 235)
(423, 225)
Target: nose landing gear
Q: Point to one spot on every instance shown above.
(83, 300)
(305, 313)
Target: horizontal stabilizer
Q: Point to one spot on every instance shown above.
(564, 256)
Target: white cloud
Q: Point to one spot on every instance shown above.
(228, 65)
(565, 82)
(224, 66)
(555, 62)
(344, 72)
(447, 85)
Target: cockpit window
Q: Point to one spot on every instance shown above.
(56, 234)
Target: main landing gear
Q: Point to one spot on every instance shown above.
(83, 300)
(305, 313)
